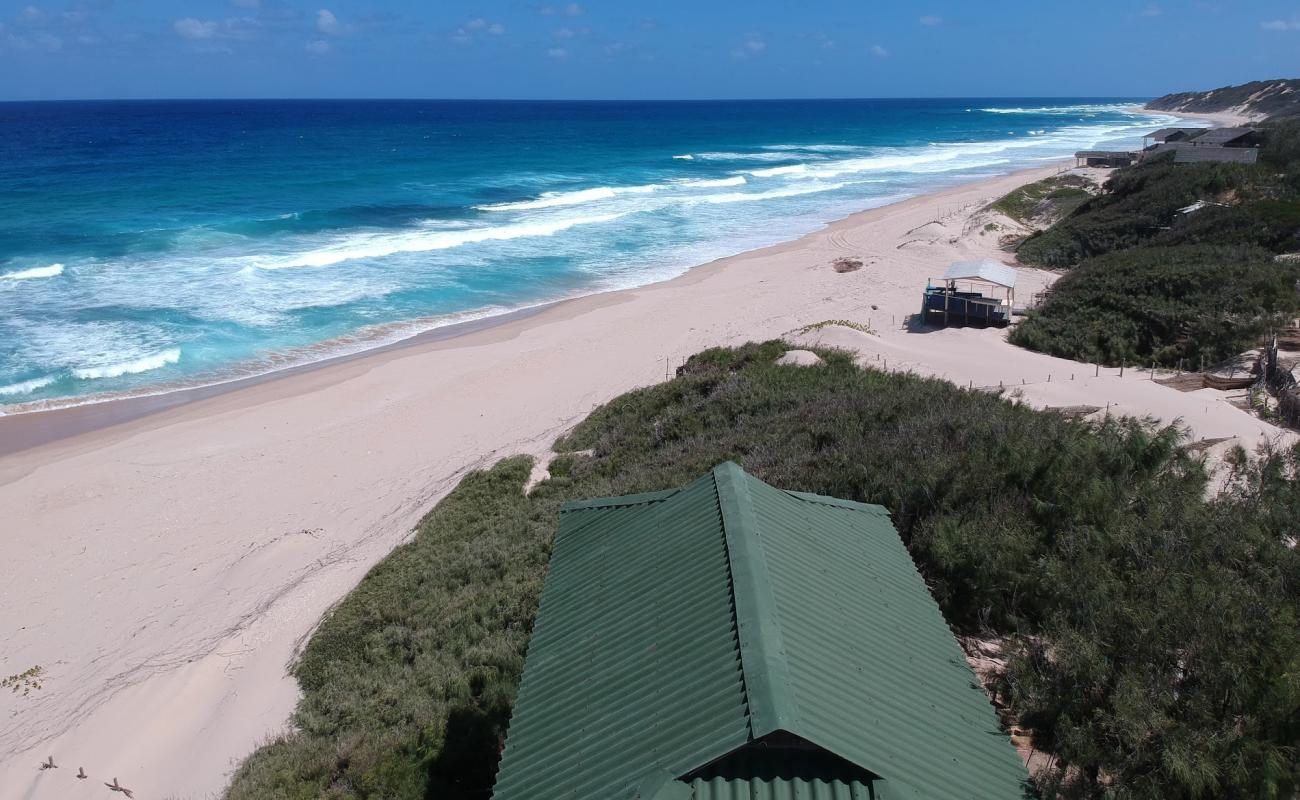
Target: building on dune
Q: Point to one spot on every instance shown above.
(1188, 145)
(732, 640)
(1170, 135)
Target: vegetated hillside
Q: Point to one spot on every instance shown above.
(1188, 305)
(1271, 98)
(1256, 204)
(1153, 635)
(1045, 202)
(1174, 263)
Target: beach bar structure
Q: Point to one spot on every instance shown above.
(728, 640)
(947, 304)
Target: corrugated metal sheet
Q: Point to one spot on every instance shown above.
(633, 663)
(780, 789)
(677, 628)
(1220, 136)
(1164, 134)
(982, 270)
(1196, 155)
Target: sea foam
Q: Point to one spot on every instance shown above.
(710, 183)
(26, 387)
(52, 271)
(790, 191)
(792, 169)
(374, 245)
(557, 199)
(1087, 108)
(145, 364)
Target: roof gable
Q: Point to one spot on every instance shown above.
(684, 627)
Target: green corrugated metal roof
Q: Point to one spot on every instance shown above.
(678, 628)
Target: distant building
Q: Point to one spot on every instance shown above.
(1237, 145)
(732, 641)
(1104, 158)
(1227, 137)
(1171, 135)
(1192, 153)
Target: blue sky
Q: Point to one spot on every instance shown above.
(664, 49)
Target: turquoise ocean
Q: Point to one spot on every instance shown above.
(148, 246)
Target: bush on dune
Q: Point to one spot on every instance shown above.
(1154, 632)
(1140, 204)
(1169, 305)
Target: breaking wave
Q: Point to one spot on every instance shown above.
(145, 364)
(26, 387)
(52, 271)
(378, 245)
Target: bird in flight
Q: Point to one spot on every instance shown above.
(48, 763)
(117, 787)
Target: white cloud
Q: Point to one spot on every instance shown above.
(327, 23)
(931, 20)
(190, 28)
(557, 52)
(753, 44)
(1152, 11)
(318, 48)
(879, 52)
(1281, 25)
(571, 10)
(31, 15)
(465, 33)
(570, 33)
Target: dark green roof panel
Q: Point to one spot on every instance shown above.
(676, 628)
(633, 662)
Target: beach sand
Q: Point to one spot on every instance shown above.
(169, 566)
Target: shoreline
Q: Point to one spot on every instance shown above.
(54, 419)
(28, 428)
(174, 563)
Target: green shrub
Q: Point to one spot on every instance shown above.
(1141, 202)
(1051, 199)
(1162, 304)
(1092, 546)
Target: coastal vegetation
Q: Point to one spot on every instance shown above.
(1151, 629)
(24, 682)
(1189, 305)
(1174, 263)
(1046, 201)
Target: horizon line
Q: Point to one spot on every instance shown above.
(563, 99)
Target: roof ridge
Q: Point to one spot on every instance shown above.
(762, 647)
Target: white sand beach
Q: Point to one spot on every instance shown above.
(172, 564)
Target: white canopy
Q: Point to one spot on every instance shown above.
(983, 270)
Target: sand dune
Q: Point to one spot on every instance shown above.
(169, 565)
